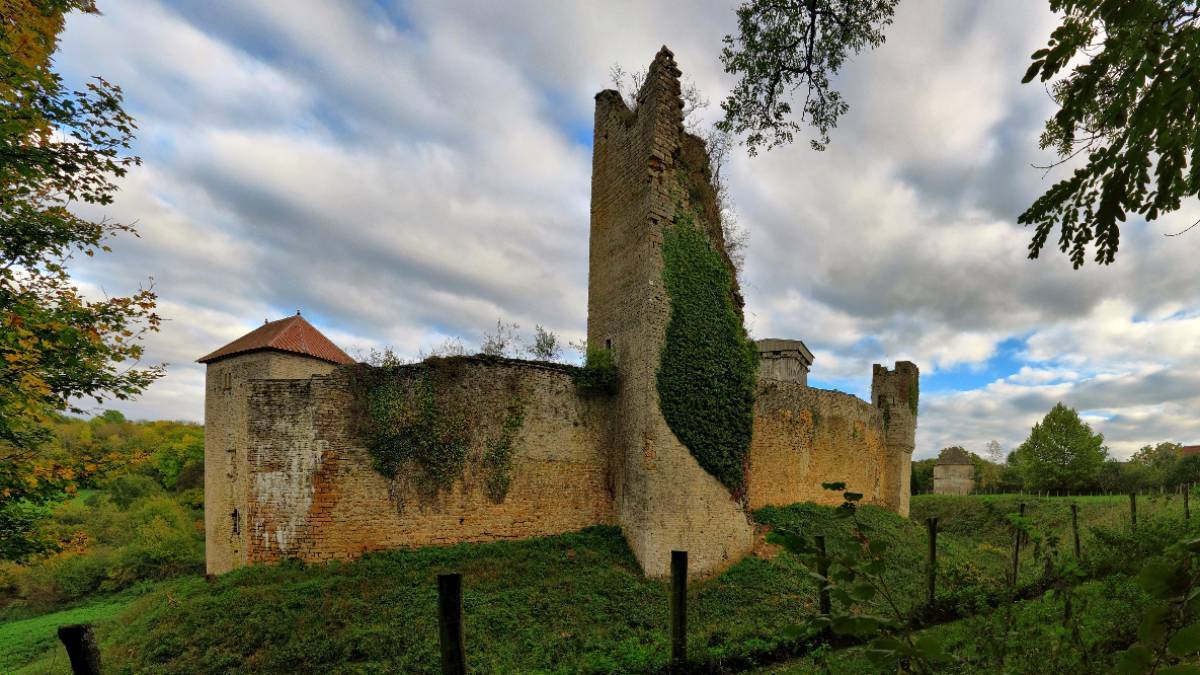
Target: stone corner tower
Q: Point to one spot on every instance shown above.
(289, 349)
(896, 393)
(664, 499)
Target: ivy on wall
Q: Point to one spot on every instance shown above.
(497, 458)
(410, 426)
(408, 423)
(706, 375)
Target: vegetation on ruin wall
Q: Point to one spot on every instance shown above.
(409, 424)
(497, 459)
(706, 375)
(599, 373)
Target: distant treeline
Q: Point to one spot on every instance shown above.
(1062, 455)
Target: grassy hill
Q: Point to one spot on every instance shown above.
(569, 603)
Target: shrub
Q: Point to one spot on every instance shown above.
(599, 373)
(126, 489)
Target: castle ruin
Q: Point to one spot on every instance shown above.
(292, 469)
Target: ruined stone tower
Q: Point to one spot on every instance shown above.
(896, 393)
(664, 499)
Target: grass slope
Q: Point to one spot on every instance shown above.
(569, 603)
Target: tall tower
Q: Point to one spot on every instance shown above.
(665, 500)
(896, 393)
(286, 349)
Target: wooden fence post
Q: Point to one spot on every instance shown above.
(1133, 510)
(931, 523)
(823, 570)
(1075, 526)
(81, 647)
(450, 624)
(679, 565)
(1016, 565)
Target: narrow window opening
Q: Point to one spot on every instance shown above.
(237, 522)
(608, 344)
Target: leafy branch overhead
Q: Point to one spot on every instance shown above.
(785, 46)
(1123, 73)
(58, 347)
(1129, 109)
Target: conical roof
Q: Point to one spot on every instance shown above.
(293, 335)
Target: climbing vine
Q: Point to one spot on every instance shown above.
(407, 423)
(497, 458)
(706, 374)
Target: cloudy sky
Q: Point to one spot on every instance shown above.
(408, 172)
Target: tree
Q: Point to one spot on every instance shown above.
(788, 45)
(57, 348)
(921, 479)
(546, 346)
(1061, 453)
(504, 342)
(995, 453)
(1159, 462)
(1126, 109)
(987, 474)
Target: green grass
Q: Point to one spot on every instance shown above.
(1026, 636)
(568, 603)
(34, 641)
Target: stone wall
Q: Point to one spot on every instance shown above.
(804, 437)
(953, 479)
(316, 496)
(664, 499)
(227, 476)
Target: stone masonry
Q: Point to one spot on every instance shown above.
(288, 474)
(953, 473)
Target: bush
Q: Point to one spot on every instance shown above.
(190, 476)
(599, 373)
(126, 489)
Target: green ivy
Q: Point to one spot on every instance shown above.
(599, 373)
(497, 459)
(706, 376)
(407, 423)
(913, 395)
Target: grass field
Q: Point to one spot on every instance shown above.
(569, 603)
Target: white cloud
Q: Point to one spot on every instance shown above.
(408, 173)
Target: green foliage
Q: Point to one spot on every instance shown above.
(1126, 107)
(599, 374)
(864, 604)
(497, 458)
(85, 452)
(1170, 628)
(1061, 453)
(103, 547)
(783, 47)
(126, 489)
(58, 148)
(407, 423)
(921, 481)
(546, 345)
(706, 374)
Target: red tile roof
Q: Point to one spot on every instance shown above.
(1189, 450)
(293, 334)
